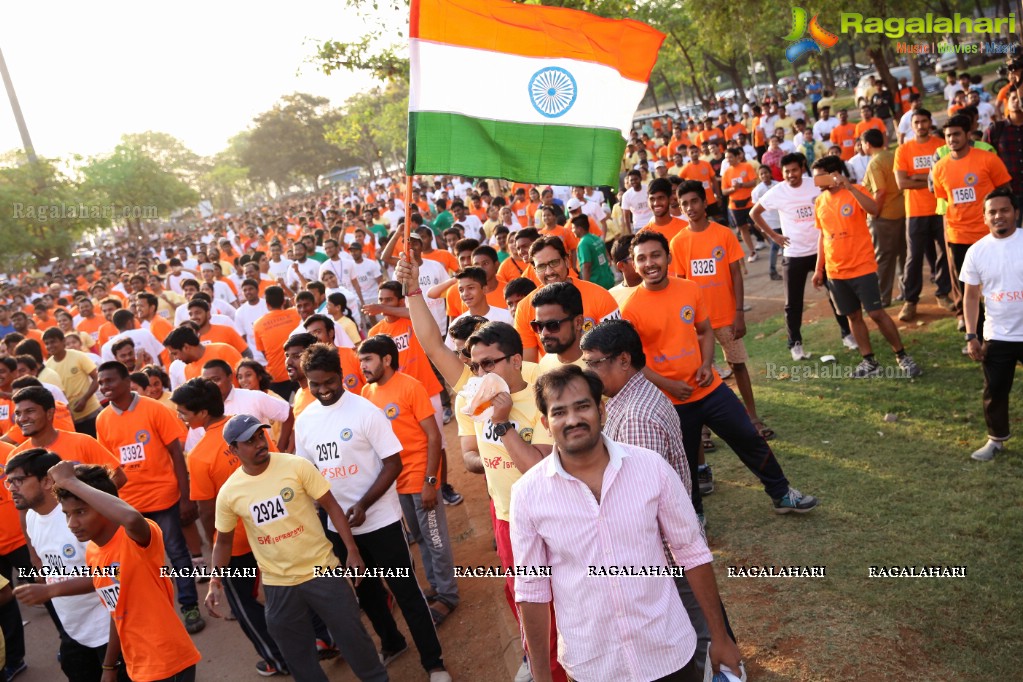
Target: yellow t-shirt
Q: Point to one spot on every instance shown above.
(497, 464)
(550, 361)
(280, 518)
(74, 371)
(48, 376)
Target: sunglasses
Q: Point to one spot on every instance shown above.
(551, 326)
(486, 365)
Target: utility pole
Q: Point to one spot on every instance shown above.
(26, 141)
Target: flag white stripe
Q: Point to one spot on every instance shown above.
(603, 97)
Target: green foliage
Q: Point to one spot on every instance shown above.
(374, 126)
(44, 211)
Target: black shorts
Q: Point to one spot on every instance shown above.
(739, 216)
(849, 295)
(714, 211)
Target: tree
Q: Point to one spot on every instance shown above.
(287, 144)
(136, 187)
(374, 126)
(46, 212)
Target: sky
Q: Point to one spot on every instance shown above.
(85, 73)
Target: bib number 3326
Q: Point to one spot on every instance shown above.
(268, 510)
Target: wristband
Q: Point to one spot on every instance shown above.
(115, 666)
(415, 292)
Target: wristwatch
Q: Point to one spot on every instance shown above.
(431, 480)
(503, 428)
(970, 337)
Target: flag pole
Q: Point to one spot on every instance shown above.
(408, 223)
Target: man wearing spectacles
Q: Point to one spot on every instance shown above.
(558, 319)
(550, 260)
(513, 439)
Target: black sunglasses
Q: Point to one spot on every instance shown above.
(550, 325)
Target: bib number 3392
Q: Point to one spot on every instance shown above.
(134, 452)
(268, 510)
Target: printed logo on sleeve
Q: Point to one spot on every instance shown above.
(269, 510)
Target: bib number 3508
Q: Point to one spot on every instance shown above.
(268, 510)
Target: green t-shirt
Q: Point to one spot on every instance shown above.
(318, 257)
(591, 250)
(443, 221)
(380, 233)
(501, 256)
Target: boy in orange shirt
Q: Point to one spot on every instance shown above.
(144, 627)
(737, 184)
(406, 405)
(846, 252)
(709, 254)
(844, 135)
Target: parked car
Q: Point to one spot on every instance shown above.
(946, 62)
(932, 84)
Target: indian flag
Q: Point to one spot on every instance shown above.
(523, 92)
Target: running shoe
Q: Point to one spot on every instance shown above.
(988, 452)
(268, 670)
(705, 477)
(849, 341)
(193, 619)
(795, 501)
(798, 353)
(909, 366)
(451, 496)
(866, 369)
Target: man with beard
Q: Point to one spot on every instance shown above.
(558, 319)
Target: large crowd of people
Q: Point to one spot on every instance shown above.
(273, 400)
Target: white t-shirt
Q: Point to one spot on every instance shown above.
(246, 316)
(637, 203)
(347, 442)
(795, 207)
(143, 340)
(822, 128)
(994, 264)
(181, 314)
(342, 268)
(263, 406)
(473, 227)
(770, 217)
(493, 315)
(222, 292)
(83, 616)
(366, 274)
(279, 269)
(796, 110)
(310, 269)
(432, 273)
(906, 124)
(857, 166)
(985, 112)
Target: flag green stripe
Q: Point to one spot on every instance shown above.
(453, 144)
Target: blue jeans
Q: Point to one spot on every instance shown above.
(727, 417)
(169, 521)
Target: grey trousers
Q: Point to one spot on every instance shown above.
(333, 600)
(430, 532)
(890, 251)
(698, 621)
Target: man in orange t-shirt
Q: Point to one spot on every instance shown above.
(14, 552)
(845, 251)
(737, 184)
(147, 438)
(199, 313)
(709, 254)
(673, 322)
(153, 642)
(270, 332)
(844, 135)
(659, 197)
(702, 172)
(517, 264)
(183, 344)
(924, 228)
(869, 121)
(405, 403)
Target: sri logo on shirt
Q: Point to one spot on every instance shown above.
(970, 179)
(392, 411)
(142, 436)
(847, 210)
(346, 434)
(287, 494)
(351, 381)
(68, 550)
(688, 314)
(717, 253)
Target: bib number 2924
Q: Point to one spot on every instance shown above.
(268, 510)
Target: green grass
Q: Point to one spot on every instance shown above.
(893, 493)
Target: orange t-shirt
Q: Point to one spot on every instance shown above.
(62, 420)
(445, 258)
(42, 325)
(221, 333)
(11, 537)
(404, 402)
(215, 351)
(758, 133)
(702, 172)
(567, 237)
(351, 371)
(709, 135)
(412, 358)
(963, 184)
(78, 448)
(534, 206)
(705, 257)
(303, 398)
(154, 642)
(669, 231)
(95, 326)
(140, 436)
(210, 464)
(848, 247)
(455, 306)
(160, 328)
(666, 323)
(875, 123)
(733, 131)
(743, 172)
(520, 209)
(270, 332)
(845, 137)
(512, 268)
(916, 158)
(598, 305)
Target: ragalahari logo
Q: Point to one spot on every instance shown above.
(820, 38)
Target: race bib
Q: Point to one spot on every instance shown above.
(109, 595)
(706, 185)
(268, 510)
(963, 195)
(490, 437)
(401, 342)
(804, 212)
(703, 267)
(922, 162)
(136, 452)
(5, 412)
(326, 452)
(847, 143)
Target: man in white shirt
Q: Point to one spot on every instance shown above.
(279, 264)
(392, 214)
(221, 291)
(992, 270)
(794, 200)
(635, 207)
(84, 618)
(252, 308)
(795, 108)
(857, 165)
(472, 227)
(367, 272)
(351, 443)
(824, 125)
(905, 127)
(472, 286)
(985, 112)
(127, 327)
(302, 268)
(266, 407)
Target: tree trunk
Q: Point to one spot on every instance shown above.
(671, 91)
(881, 62)
(827, 74)
(653, 96)
(697, 91)
(980, 13)
(772, 73)
(914, 71)
(852, 54)
(946, 10)
(730, 69)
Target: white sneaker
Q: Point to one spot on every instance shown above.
(523, 674)
(850, 342)
(758, 246)
(988, 452)
(798, 353)
(440, 676)
(723, 372)
(752, 257)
